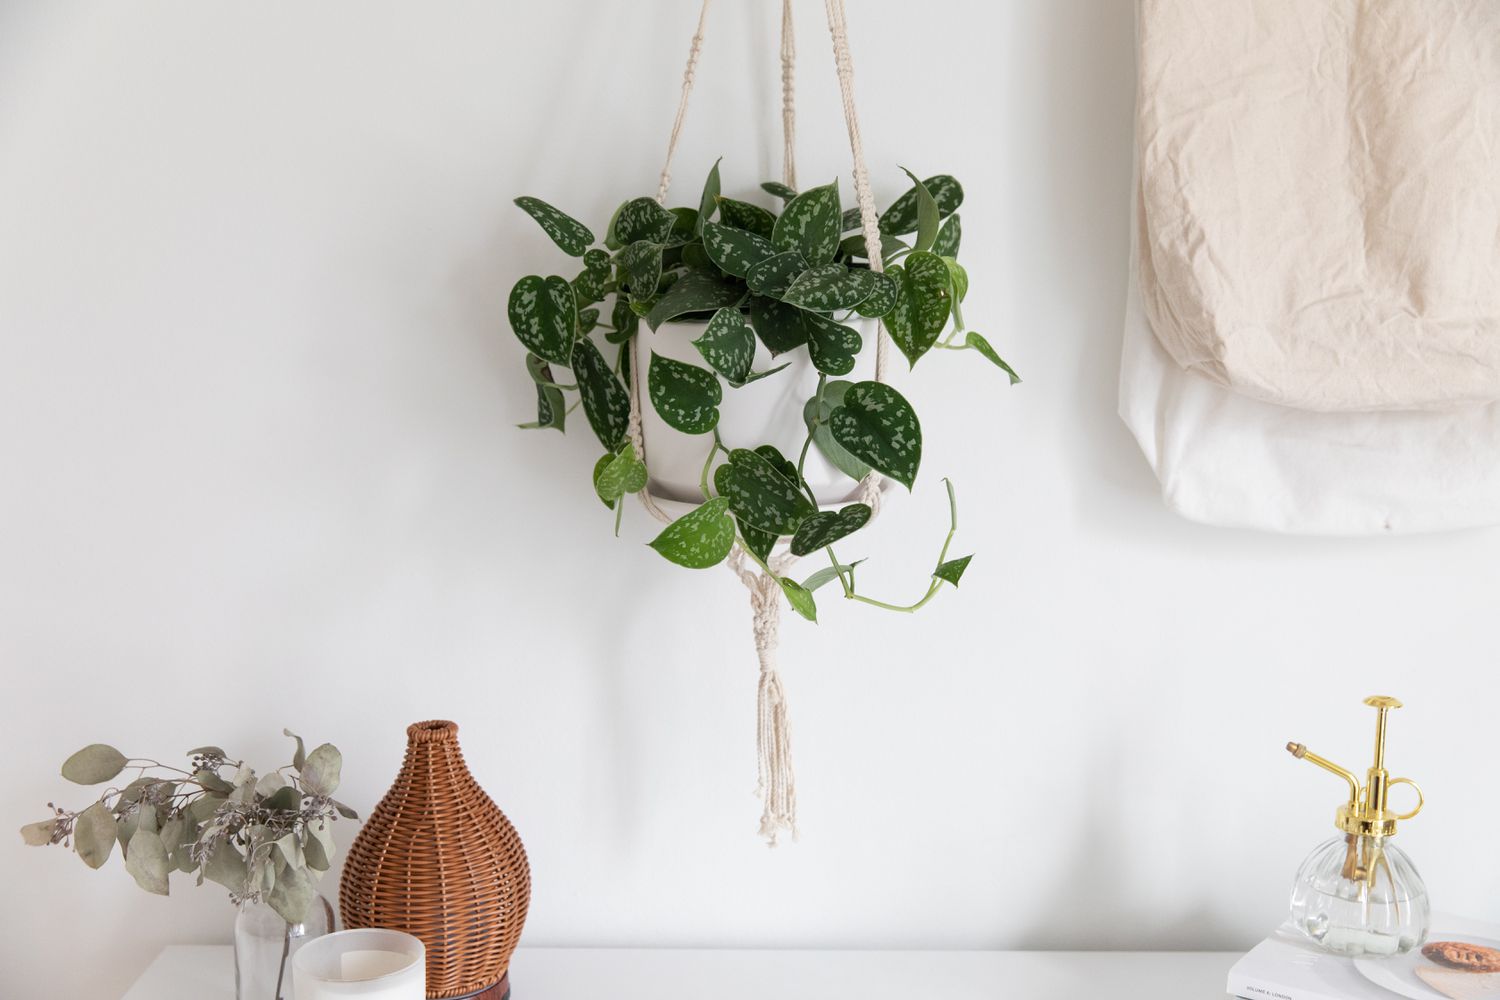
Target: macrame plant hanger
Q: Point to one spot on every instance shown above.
(777, 785)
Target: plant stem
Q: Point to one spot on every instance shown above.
(708, 464)
(812, 426)
(286, 949)
(942, 557)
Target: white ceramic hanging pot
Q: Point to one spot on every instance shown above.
(767, 411)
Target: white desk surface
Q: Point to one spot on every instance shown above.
(205, 972)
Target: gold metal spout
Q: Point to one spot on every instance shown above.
(1301, 752)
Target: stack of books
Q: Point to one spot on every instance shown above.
(1459, 961)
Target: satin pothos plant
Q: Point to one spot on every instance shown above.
(792, 281)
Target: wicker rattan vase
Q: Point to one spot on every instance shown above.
(439, 860)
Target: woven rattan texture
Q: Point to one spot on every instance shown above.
(439, 860)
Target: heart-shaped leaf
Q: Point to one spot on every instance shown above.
(816, 419)
(707, 201)
(743, 215)
(146, 861)
(811, 225)
(774, 275)
(877, 425)
(695, 291)
(624, 320)
(551, 408)
(828, 526)
(882, 298)
(779, 189)
(728, 345)
(700, 538)
(687, 397)
(684, 226)
(735, 251)
(928, 217)
(922, 305)
(641, 219)
(902, 216)
(757, 541)
(832, 346)
(567, 232)
(760, 495)
(829, 287)
(948, 238)
(605, 401)
(778, 325)
(544, 316)
(597, 263)
(94, 834)
(642, 263)
(981, 345)
(93, 764)
(952, 570)
(621, 474)
(800, 598)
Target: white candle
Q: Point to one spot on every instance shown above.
(369, 964)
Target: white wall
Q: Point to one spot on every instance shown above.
(256, 405)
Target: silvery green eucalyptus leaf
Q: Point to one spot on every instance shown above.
(227, 867)
(318, 847)
(810, 225)
(39, 834)
(735, 251)
(285, 799)
(606, 404)
(685, 396)
(746, 216)
(572, 236)
(700, 538)
(146, 861)
(544, 316)
(94, 835)
(95, 763)
(876, 425)
(299, 756)
(902, 216)
(293, 894)
(320, 774)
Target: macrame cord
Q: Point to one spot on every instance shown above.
(777, 786)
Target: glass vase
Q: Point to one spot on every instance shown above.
(1360, 895)
(264, 945)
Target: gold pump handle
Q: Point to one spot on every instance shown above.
(1414, 787)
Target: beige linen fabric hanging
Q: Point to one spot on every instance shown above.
(1320, 184)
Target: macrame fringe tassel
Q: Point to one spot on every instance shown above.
(777, 786)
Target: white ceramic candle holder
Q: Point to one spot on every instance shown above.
(370, 964)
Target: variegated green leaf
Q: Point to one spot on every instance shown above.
(605, 401)
(760, 495)
(827, 526)
(687, 397)
(621, 474)
(928, 216)
(744, 215)
(810, 225)
(642, 263)
(882, 298)
(567, 232)
(800, 598)
(958, 278)
(757, 541)
(952, 570)
(829, 287)
(695, 291)
(978, 343)
(832, 346)
(736, 251)
(597, 263)
(777, 324)
(877, 425)
(641, 219)
(684, 226)
(921, 309)
(587, 320)
(588, 287)
(700, 538)
(728, 345)
(551, 408)
(624, 320)
(901, 217)
(779, 189)
(779, 462)
(544, 316)
(948, 238)
(854, 246)
(709, 200)
(774, 275)
(816, 418)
